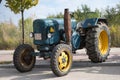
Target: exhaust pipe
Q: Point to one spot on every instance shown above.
(67, 26)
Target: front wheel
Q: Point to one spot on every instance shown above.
(98, 43)
(61, 60)
(22, 58)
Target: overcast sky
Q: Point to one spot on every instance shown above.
(47, 7)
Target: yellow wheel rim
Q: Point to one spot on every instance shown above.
(64, 61)
(103, 42)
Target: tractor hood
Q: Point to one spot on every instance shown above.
(46, 31)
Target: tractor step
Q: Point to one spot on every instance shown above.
(45, 55)
(36, 54)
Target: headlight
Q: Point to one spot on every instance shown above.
(31, 35)
(49, 35)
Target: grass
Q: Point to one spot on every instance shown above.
(5, 62)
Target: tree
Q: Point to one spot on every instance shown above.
(113, 15)
(18, 6)
(28, 28)
(79, 14)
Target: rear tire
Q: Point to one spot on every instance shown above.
(61, 60)
(98, 43)
(22, 58)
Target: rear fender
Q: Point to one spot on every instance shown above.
(75, 40)
(93, 22)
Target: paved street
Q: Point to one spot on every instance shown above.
(82, 68)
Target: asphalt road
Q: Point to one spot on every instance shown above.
(82, 69)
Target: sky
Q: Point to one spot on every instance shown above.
(48, 7)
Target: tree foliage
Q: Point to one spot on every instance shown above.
(17, 5)
(85, 12)
(80, 14)
(113, 15)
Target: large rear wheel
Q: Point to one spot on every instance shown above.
(98, 43)
(61, 60)
(22, 58)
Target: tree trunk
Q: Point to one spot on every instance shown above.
(22, 15)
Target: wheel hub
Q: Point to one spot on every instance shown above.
(63, 61)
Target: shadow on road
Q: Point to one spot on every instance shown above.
(76, 64)
(35, 74)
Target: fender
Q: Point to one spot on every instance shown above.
(76, 40)
(93, 22)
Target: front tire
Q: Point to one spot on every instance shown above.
(22, 58)
(61, 60)
(98, 43)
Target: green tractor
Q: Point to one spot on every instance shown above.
(57, 39)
